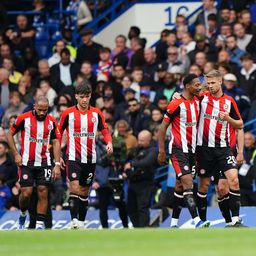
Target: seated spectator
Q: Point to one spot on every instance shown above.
(156, 119)
(29, 57)
(243, 39)
(231, 89)
(137, 46)
(25, 89)
(16, 107)
(48, 91)
(14, 76)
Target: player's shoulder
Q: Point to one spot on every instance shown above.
(25, 115)
(51, 118)
(175, 103)
(94, 109)
(228, 97)
(69, 110)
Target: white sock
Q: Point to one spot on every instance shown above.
(174, 222)
(196, 220)
(39, 224)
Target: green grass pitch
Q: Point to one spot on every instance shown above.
(132, 242)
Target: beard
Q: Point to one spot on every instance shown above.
(40, 118)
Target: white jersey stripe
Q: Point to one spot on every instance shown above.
(213, 124)
(201, 121)
(84, 125)
(95, 115)
(72, 149)
(171, 141)
(223, 142)
(47, 153)
(194, 128)
(25, 156)
(183, 133)
(39, 146)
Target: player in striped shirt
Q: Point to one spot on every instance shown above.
(39, 131)
(183, 114)
(82, 122)
(218, 111)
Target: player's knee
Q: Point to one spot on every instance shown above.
(222, 190)
(42, 193)
(234, 182)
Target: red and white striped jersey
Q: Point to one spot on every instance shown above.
(212, 131)
(81, 130)
(36, 138)
(183, 116)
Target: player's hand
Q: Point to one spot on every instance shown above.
(18, 159)
(62, 164)
(110, 148)
(240, 158)
(223, 115)
(162, 158)
(176, 96)
(127, 166)
(56, 172)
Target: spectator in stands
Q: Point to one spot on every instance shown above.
(233, 50)
(16, 107)
(87, 70)
(105, 64)
(5, 52)
(225, 31)
(36, 95)
(246, 20)
(174, 59)
(201, 59)
(5, 87)
(29, 57)
(55, 58)
(136, 117)
(243, 39)
(64, 72)
(247, 172)
(81, 14)
(247, 76)
(139, 170)
(195, 69)
(162, 45)
(25, 89)
(49, 93)
(212, 28)
(84, 15)
(161, 71)
(149, 68)
(126, 81)
(224, 59)
(156, 119)
(89, 50)
(137, 76)
(121, 54)
(14, 76)
(118, 72)
(137, 59)
(242, 100)
(187, 42)
(209, 65)
(208, 8)
(134, 32)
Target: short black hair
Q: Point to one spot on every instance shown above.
(83, 88)
(188, 79)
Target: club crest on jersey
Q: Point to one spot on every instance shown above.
(25, 176)
(93, 119)
(73, 175)
(186, 168)
(225, 106)
(50, 127)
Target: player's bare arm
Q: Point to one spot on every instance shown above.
(56, 154)
(161, 139)
(10, 140)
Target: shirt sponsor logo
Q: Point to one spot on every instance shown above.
(190, 124)
(217, 118)
(84, 134)
(42, 141)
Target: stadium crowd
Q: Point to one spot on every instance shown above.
(132, 86)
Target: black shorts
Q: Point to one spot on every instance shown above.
(84, 173)
(30, 176)
(183, 163)
(220, 174)
(211, 160)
